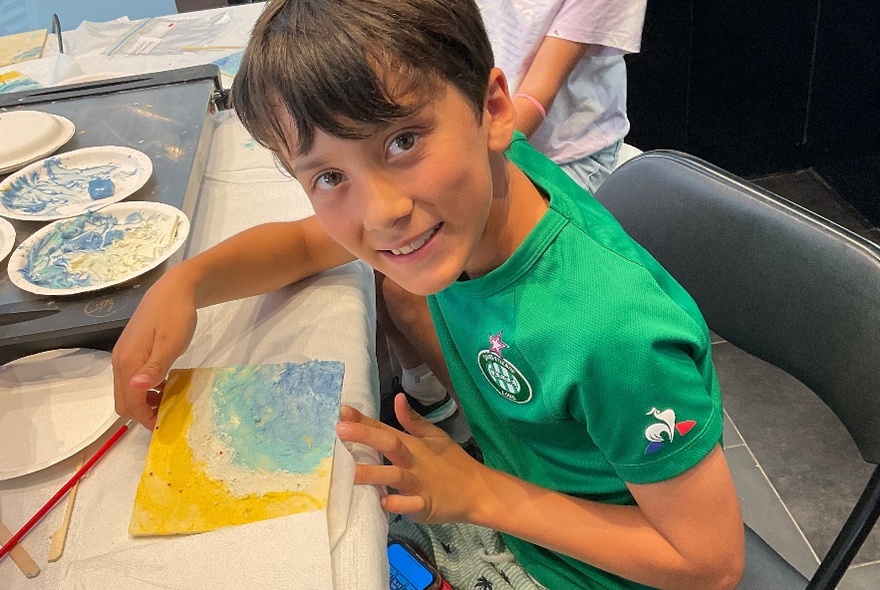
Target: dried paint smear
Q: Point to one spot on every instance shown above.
(54, 186)
(96, 248)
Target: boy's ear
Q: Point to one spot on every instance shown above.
(500, 112)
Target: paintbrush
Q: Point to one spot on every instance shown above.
(64, 489)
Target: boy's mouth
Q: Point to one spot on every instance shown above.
(417, 243)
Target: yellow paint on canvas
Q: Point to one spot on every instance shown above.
(175, 495)
(21, 46)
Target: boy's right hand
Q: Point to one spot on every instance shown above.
(157, 334)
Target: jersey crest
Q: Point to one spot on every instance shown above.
(663, 432)
(501, 374)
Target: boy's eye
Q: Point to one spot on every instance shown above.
(328, 180)
(402, 143)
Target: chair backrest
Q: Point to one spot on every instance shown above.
(774, 279)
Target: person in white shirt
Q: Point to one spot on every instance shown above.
(564, 63)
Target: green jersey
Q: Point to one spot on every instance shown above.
(581, 364)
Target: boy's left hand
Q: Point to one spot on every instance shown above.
(436, 480)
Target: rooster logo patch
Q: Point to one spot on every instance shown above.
(665, 430)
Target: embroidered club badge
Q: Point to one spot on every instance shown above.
(501, 374)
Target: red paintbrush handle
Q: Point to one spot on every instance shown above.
(60, 493)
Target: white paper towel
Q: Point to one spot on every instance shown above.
(294, 549)
(294, 553)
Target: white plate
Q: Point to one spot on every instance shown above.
(98, 248)
(53, 405)
(7, 238)
(74, 182)
(29, 136)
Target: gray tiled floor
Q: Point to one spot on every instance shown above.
(797, 472)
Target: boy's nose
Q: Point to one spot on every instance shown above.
(385, 203)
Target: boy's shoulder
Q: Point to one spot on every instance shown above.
(570, 200)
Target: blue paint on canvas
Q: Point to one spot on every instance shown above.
(278, 417)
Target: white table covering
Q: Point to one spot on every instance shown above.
(328, 317)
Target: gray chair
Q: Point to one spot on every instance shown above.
(782, 284)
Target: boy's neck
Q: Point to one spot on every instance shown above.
(516, 209)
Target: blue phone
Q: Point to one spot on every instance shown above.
(409, 571)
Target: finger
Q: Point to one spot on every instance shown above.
(389, 476)
(413, 422)
(150, 420)
(381, 437)
(153, 372)
(129, 403)
(137, 407)
(413, 506)
(350, 414)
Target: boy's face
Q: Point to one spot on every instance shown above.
(413, 198)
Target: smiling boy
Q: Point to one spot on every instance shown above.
(583, 368)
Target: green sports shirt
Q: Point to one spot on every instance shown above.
(581, 364)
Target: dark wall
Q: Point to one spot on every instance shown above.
(758, 86)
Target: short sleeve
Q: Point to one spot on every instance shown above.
(616, 24)
(655, 411)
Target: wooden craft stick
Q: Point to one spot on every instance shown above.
(209, 47)
(21, 558)
(56, 549)
(11, 543)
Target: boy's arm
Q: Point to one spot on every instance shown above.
(261, 259)
(255, 261)
(554, 61)
(685, 533)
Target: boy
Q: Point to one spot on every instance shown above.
(599, 420)
(563, 60)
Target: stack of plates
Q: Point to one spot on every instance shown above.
(29, 136)
(53, 405)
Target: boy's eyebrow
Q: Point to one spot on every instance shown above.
(307, 164)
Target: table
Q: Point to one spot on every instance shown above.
(330, 316)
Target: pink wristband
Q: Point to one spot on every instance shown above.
(534, 101)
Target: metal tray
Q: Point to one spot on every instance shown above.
(167, 115)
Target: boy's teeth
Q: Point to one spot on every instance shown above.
(414, 246)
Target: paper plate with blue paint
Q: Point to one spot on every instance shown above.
(7, 238)
(98, 249)
(74, 182)
(29, 136)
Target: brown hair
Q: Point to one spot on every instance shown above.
(328, 62)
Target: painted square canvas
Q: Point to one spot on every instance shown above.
(21, 46)
(235, 445)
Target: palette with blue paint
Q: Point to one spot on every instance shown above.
(7, 238)
(74, 182)
(98, 249)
